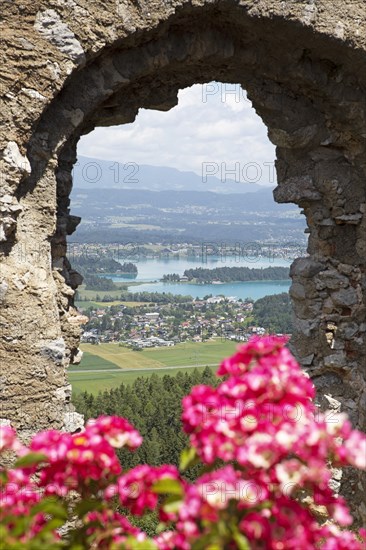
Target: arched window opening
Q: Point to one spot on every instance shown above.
(180, 204)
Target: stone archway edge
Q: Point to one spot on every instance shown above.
(73, 65)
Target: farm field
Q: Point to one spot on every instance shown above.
(192, 353)
(90, 295)
(93, 362)
(95, 382)
(92, 303)
(122, 365)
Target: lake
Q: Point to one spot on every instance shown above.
(249, 289)
(151, 270)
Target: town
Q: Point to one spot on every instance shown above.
(156, 325)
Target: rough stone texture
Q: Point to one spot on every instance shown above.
(71, 65)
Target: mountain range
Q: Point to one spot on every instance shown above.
(90, 173)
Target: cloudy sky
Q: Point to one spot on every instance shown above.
(213, 127)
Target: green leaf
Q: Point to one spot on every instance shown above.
(172, 504)
(188, 458)
(168, 486)
(87, 505)
(3, 477)
(203, 542)
(31, 459)
(133, 544)
(161, 527)
(52, 525)
(50, 506)
(20, 526)
(241, 541)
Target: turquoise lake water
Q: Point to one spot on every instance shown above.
(150, 271)
(250, 289)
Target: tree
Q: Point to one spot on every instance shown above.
(274, 313)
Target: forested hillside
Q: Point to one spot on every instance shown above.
(274, 313)
(229, 274)
(153, 405)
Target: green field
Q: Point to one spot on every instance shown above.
(101, 305)
(96, 382)
(191, 353)
(115, 360)
(90, 295)
(93, 362)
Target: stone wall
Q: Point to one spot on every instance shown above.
(71, 65)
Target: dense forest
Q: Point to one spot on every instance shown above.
(101, 264)
(171, 278)
(231, 274)
(89, 266)
(274, 313)
(153, 405)
(143, 296)
(93, 282)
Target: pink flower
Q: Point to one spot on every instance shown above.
(111, 528)
(260, 420)
(135, 488)
(256, 527)
(9, 440)
(116, 430)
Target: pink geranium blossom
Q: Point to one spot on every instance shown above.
(260, 423)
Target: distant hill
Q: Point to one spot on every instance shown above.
(91, 173)
(110, 201)
(110, 215)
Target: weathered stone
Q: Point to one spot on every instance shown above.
(307, 360)
(55, 350)
(72, 223)
(334, 404)
(345, 297)
(3, 290)
(297, 190)
(305, 267)
(73, 422)
(77, 357)
(305, 326)
(297, 291)
(337, 360)
(51, 26)
(349, 330)
(73, 66)
(331, 279)
(352, 219)
(14, 158)
(335, 485)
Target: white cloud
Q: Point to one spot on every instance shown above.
(212, 123)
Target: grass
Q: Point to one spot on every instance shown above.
(182, 358)
(94, 304)
(121, 357)
(96, 382)
(90, 295)
(191, 353)
(93, 362)
(88, 304)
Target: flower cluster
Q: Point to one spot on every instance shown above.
(254, 416)
(263, 417)
(263, 448)
(135, 490)
(74, 461)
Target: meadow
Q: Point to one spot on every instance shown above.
(85, 304)
(122, 365)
